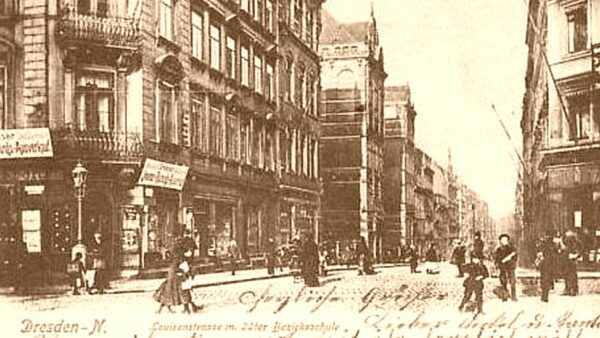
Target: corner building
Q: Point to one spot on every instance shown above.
(179, 111)
(352, 80)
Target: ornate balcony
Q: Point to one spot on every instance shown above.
(112, 32)
(97, 145)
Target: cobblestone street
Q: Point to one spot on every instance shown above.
(381, 301)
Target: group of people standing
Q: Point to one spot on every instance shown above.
(557, 258)
(91, 273)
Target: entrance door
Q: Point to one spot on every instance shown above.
(97, 216)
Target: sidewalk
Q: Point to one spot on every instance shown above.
(137, 285)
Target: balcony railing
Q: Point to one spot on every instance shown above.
(301, 182)
(111, 146)
(116, 32)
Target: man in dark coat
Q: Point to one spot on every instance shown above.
(506, 260)
(473, 284)
(413, 257)
(458, 257)
(270, 252)
(572, 253)
(98, 256)
(478, 245)
(546, 261)
(310, 262)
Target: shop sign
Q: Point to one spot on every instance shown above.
(25, 143)
(163, 175)
(34, 189)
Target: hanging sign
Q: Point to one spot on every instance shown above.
(163, 175)
(25, 143)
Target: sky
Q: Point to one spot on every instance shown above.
(459, 57)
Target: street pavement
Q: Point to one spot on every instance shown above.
(371, 305)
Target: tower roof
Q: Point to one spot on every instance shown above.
(335, 32)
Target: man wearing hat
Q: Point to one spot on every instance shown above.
(98, 258)
(506, 260)
(478, 245)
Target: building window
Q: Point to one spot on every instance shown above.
(270, 81)
(297, 23)
(214, 142)
(167, 126)
(269, 15)
(579, 119)
(199, 112)
(258, 10)
(165, 28)
(245, 66)
(269, 150)
(245, 5)
(87, 7)
(3, 103)
(245, 141)
(257, 144)
(231, 56)
(292, 81)
(258, 74)
(308, 33)
(284, 151)
(197, 36)
(299, 91)
(215, 47)
(232, 138)
(577, 28)
(94, 100)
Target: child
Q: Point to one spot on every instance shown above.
(76, 270)
(473, 284)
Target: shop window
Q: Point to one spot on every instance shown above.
(167, 110)
(94, 100)
(215, 137)
(165, 27)
(258, 74)
(245, 65)
(231, 57)
(232, 137)
(222, 231)
(215, 47)
(199, 113)
(62, 234)
(162, 231)
(197, 35)
(253, 234)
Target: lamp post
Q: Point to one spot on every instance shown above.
(79, 175)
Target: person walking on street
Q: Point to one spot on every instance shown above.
(572, 253)
(98, 256)
(270, 252)
(473, 284)
(413, 257)
(458, 257)
(169, 292)
(233, 254)
(310, 262)
(546, 261)
(506, 260)
(431, 260)
(478, 245)
(76, 271)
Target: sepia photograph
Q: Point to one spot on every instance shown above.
(300, 168)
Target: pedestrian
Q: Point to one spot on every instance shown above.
(323, 262)
(473, 284)
(169, 292)
(98, 256)
(572, 254)
(281, 254)
(478, 244)
(295, 258)
(413, 257)
(270, 253)
(310, 262)
(186, 266)
(186, 243)
(76, 271)
(431, 260)
(233, 254)
(458, 257)
(546, 262)
(506, 261)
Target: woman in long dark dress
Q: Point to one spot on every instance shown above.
(310, 262)
(169, 293)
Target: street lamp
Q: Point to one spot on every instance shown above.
(79, 175)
